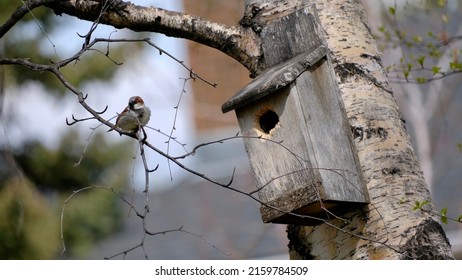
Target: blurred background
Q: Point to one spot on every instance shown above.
(39, 152)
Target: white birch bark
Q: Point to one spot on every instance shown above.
(393, 176)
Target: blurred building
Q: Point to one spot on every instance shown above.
(215, 67)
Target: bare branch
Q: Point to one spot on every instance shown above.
(20, 12)
(240, 43)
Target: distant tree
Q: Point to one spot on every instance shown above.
(422, 46)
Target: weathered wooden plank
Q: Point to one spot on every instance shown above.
(298, 139)
(280, 160)
(275, 78)
(291, 35)
(328, 130)
(280, 155)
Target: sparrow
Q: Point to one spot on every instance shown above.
(136, 114)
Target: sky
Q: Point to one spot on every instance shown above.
(156, 78)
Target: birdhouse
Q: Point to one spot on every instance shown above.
(298, 141)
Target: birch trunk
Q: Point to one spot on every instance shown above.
(388, 228)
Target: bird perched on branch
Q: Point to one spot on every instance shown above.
(134, 116)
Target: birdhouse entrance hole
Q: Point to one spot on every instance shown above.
(268, 120)
(297, 100)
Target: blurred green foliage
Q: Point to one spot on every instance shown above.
(29, 226)
(90, 216)
(31, 203)
(54, 169)
(32, 196)
(427, 34)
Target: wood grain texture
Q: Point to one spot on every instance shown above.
(308, 158)
(275, 78)
(291, 35)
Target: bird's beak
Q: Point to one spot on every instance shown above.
(138, 106)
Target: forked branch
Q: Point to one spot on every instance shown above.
(242, 44)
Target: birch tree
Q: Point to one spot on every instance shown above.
(387, 228)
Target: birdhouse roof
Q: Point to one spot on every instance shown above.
(274, 78)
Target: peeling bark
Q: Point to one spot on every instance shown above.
(394, 179)
(421, 244)
(387, 228)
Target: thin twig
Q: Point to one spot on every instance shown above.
(177, 107)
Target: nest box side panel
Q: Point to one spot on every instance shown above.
(299, 141)
(330, 134)
(277, 153)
